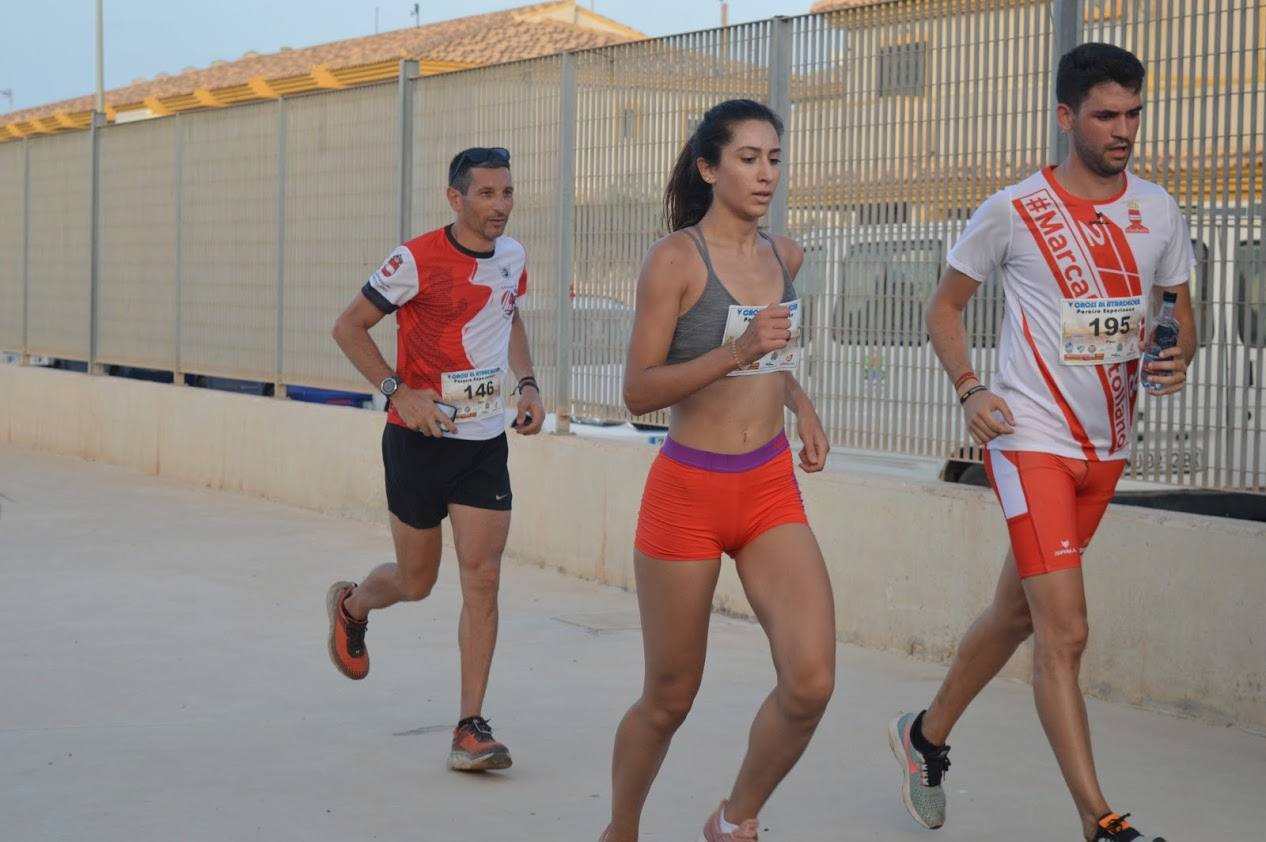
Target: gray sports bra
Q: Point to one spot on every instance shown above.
(702, 327)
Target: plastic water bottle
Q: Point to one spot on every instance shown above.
(1164, 335)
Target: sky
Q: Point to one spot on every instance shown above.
(47, 46)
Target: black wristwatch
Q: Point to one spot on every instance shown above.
(389, 385)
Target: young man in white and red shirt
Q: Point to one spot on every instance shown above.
(1081, 249)
(444, 449)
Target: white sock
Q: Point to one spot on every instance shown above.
(726, 827)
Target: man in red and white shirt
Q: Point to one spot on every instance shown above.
(459, 333)
(1081, 250)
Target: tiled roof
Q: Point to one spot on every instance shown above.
(836, 5)
(511, 35)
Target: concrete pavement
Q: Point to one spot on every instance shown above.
(166, 679)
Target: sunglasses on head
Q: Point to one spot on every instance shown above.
(480, 155)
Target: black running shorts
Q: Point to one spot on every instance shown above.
(425, 474)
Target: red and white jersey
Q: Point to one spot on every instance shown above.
(453, 309)
(1056, 251)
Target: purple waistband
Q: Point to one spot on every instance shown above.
(725, 463)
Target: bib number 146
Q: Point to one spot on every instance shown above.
(476, 393)
(483, 389)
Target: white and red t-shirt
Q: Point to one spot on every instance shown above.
(1056, 251)
(453, 311)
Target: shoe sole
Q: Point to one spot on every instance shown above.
(331, 609)
(460, 761)
(896, 744)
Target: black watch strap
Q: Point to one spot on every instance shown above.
(979, 387)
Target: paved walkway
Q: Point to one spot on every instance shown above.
(166, 679)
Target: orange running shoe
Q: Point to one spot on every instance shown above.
(474, 749)
(1114, 828)
(347, 636)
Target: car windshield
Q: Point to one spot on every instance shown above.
(1250, 293)
(885, 288)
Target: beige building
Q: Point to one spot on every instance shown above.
(944, 87)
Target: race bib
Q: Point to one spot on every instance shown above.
(784, 359)
(476, 393)
(1101, 331)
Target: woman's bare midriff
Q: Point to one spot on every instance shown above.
(731, 415)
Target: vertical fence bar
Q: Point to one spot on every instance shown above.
(780, 101)
(279, 387)
(1203, 153)
(26, 251)
(94, 247)
(1253, 228)
(566, 233)
(408, 72)
(178, 373)
(1065, 34)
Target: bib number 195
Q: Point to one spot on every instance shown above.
(1111, 326)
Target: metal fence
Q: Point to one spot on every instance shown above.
(518, 106)
(226, 242)
(231, 241)
(139, 236)
(903, 118)
(1203, 141)
(13, 171)
(58, 238)
(636, 105)
(339, 222)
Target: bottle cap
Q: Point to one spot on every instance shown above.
(1170, 296)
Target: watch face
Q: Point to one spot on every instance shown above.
(389, 386)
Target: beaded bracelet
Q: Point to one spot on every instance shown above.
(963, 378)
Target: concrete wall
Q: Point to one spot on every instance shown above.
(1175, 601)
